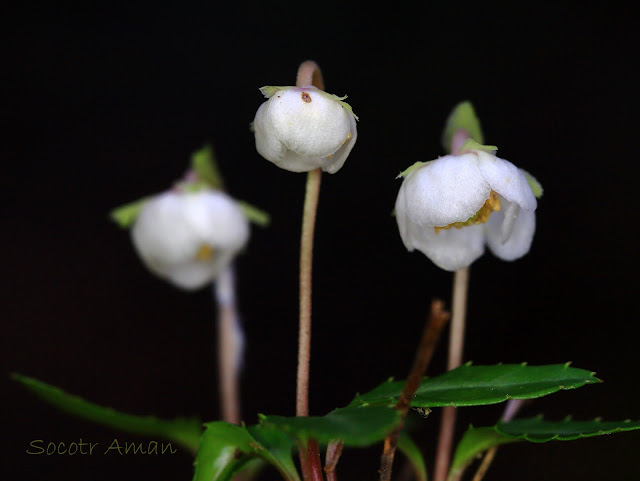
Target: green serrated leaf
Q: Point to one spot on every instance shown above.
(477, 385)
(204, 164)
(413, 454)
(474, 442)
(255, 215)
(354, 426)
(225, 449)
(126, 214)
(185, 432)
(536, 187)
(538, 430)
(462, 116)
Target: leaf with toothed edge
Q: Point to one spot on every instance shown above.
(471, 385)
(354, 426)
(413, 454)
(226, 449)
(185, 432)
(538, 430)
(477, 440)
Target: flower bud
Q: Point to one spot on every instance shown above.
(303, 128)
(188, 238)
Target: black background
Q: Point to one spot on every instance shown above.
(107, 102)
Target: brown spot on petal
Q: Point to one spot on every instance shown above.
(306, 97)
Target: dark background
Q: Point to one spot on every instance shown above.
(105, 104)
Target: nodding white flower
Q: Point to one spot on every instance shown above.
(451, 207)
(188, 238)
(303, 128)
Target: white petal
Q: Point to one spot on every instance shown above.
(449, 189)
(307, 122)
(172, 227)
(297, 163)
(522, 230)
(267, 144)
(449, 249)
(339, 158)
(506, 179)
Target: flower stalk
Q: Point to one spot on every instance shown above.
(230, 347)
(308, 74)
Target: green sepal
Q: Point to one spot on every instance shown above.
(269, 91)
(185, 432)
(464, 117)
(470, 385)
(205, 166)
(354, 426)
(341, 101)
(126, 214)
(226, 449)
(255, 215)
(413, 454)
(538, 430)
(536, 187)
(411, 168)
(471, 144)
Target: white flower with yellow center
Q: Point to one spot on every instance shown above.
(188, 238)
(451, 207)
(303, 128)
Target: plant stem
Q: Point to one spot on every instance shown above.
(306, 261)
(456, 345)
(334, 450)
(436, 321)
(510, 411)
(308, 74)
(230, 347)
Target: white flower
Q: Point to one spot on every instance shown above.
(188, 238)
(451, 207)
(303, 128)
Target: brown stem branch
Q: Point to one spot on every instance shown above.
(334, 450)
(436, 321)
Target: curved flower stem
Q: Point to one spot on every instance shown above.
(230, 347)
(456, 345)
(308, 74)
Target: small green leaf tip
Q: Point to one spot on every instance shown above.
(126, 214)
(464, 117)
(255, 215)
(408, 170)
(203, 163)
(269, 91)
(471, 144)
(536, 186)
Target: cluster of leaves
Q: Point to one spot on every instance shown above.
(225, 449)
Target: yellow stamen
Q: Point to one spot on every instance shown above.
(491, 204)
(205, 253)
